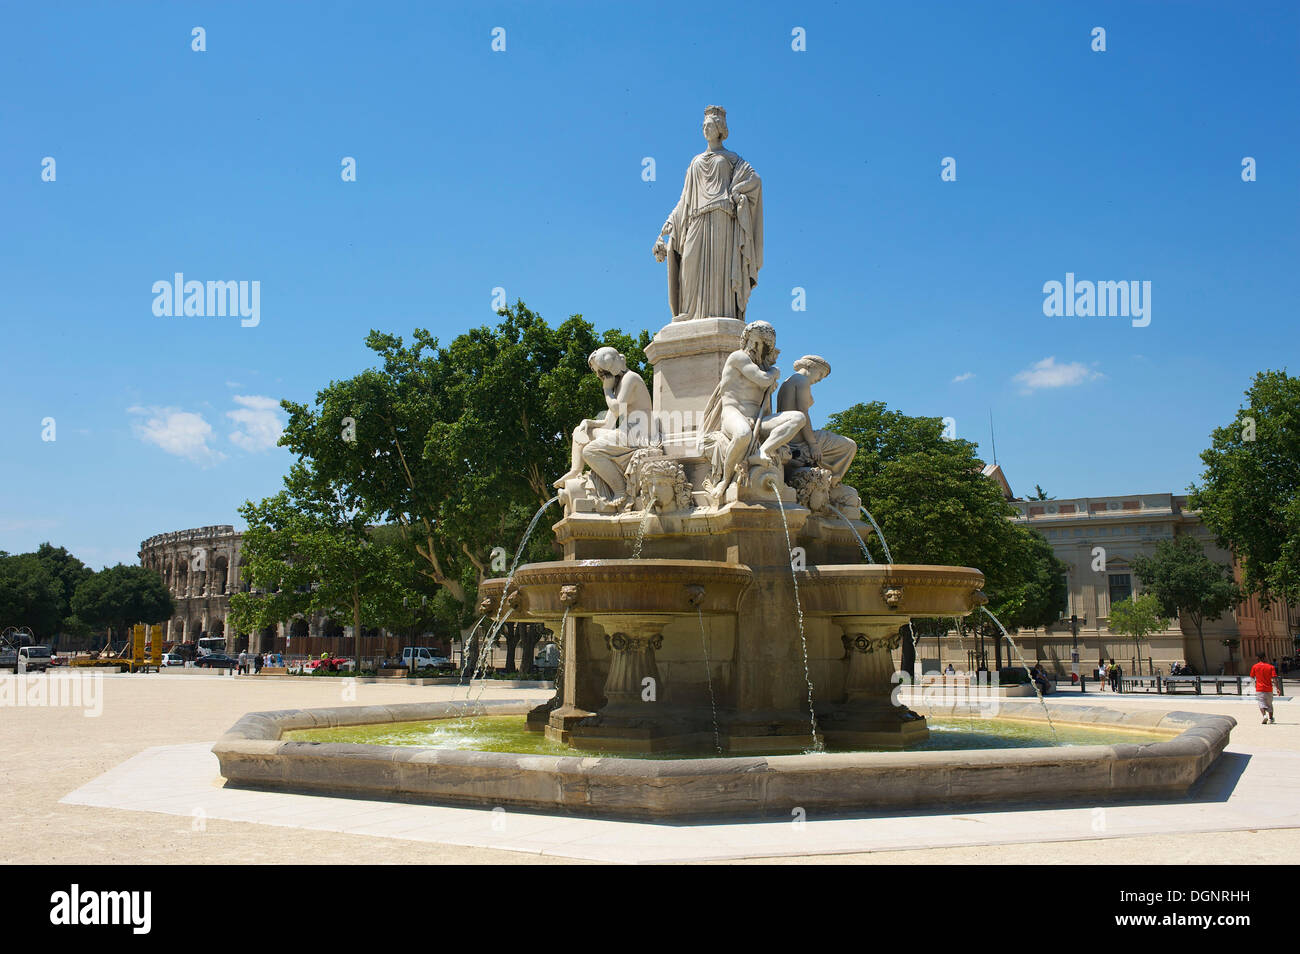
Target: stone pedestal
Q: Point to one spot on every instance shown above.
(688, 357)
(864, 715)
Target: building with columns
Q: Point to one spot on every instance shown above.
(1098, 538)
(201, 568)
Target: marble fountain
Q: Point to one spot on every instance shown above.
(716, 602)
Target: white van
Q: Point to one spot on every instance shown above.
(423, 657)
(27, 659)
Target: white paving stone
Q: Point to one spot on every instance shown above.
(180, 779)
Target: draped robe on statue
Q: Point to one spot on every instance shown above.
(715, 248)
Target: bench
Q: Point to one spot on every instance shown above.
(1197, 683)
(1144, 683)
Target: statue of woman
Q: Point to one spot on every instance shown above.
(713, 240)
(606, 444)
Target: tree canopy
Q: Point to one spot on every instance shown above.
(1183, 579)
(306, 550)
(1249, 494)
(1137, 617)
(120, 596)
(935, 505)
(457, 444)
(30, 595)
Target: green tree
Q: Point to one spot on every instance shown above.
(457, 445)
(71, 573)
(927, 493)
(30, 595)
(307, 549)
(119, 596)
(1249, 494)
(1184, 580)
(935, 505)
(1029, 590)
(1137, 617)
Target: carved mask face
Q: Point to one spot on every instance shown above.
(662, 493)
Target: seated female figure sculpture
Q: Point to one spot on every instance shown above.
(813, 448)
(606, 444)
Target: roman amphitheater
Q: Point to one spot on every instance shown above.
(201, 568)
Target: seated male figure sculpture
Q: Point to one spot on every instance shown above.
(738, 422)
(606, 444)
(812, 448)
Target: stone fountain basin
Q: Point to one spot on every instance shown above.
(254, 755)
(900, 590)
(544, 591)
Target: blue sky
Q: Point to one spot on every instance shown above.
(522, 169)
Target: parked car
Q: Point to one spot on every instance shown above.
(173, 659)
(423, 657)
(216, 661)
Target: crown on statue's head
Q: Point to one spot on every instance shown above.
(716, 112)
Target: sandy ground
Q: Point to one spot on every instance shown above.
(48, 751)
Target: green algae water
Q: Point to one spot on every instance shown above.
(508, 734)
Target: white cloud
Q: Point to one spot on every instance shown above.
(964, 376)
(259, 421)
(181, 433)
(1048, 374)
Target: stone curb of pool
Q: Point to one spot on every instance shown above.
(254, 755)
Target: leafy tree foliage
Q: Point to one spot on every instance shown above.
(457, 445)
(1250, 490)
(120, 596)
(935, 505)
(308, 550)
(1137, 617)
(71, 573)
(1184, 580)
(30, 595)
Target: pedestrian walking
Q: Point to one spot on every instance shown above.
(1264, 674)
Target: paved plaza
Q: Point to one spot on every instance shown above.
(138, 784)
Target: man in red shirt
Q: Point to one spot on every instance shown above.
(1264, 675)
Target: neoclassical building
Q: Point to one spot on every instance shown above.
(1098, 538)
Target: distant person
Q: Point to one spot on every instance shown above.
(243, 662)
(257, 663)
(950, 671)
(1102, 675)
(1264, 674)
(1114, 672)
